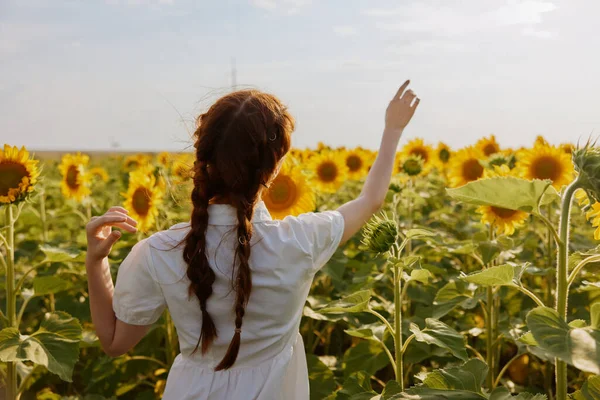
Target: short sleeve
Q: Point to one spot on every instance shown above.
(320, 235)
(138, 298)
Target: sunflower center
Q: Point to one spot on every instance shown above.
(546, 167)
(282, 193)
(327, 171)
(72, 177)
(444, 155)
(490, 149)
(503, 213)
(472, 170)
(140, 201)
(420, 152)
(11, 175)
(354, 162)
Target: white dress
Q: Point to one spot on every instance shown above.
(285, 256)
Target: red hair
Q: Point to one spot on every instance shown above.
(240, 141)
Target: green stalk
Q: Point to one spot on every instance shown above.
(489, 321)
(490, 337)
(398, 326)
(562, 284)
(11, 315)
(549, 284)
(43, 216)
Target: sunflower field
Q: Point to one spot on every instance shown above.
(477, 280)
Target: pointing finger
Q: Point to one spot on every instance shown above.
(401, 90)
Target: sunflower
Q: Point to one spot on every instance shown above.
(540, 140)
(501, 219)
(357, 161)
(465, 166)
(289, 193)
(136, 161)
(582, 197)
(488, 145)
(329, 171)
(99, 173)
(18, 174)
(594, 216)
(164, 158)
(546, 162)
(442, 155)
(183, 168)
(567, 148)
(417, 147)
(75, 182)
(143, 197)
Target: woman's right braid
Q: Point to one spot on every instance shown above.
(199, 271)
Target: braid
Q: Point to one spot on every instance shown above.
(242, 279)
(199, 271)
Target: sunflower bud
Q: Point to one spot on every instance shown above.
(587, 164)
(380, 234)
(412, 166)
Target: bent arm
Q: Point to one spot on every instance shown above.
(358, 211)
(116, 337)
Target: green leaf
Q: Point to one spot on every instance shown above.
(590, 390)
(419, 233)
(460, 383)
(43, 285)
(322, 381)
(501, 275)
(57, 254)
(366, 356)
(595, 315)
(489, 251)
(420, 275)
(391, 388)
(502, 393)
(528, 339)
(579, 347)
(356, 302)
(370, 332)
(55, 345)
(506, 192)
(441, 335)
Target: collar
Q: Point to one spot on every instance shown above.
(225, 214)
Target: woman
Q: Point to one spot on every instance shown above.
(234, 280)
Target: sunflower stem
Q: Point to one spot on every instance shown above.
(490, 334)
(562, 281)
(43, 215)
(11, 367)
(398, 326)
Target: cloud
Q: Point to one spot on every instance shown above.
(288, 7)
(459, 19)
(345, 30)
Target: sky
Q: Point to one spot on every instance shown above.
(133, 74)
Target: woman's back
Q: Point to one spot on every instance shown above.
(285, 256)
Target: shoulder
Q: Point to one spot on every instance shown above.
(308, 230)
(165, 249)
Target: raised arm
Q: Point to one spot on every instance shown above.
(358, 211)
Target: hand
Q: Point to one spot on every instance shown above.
(401, 109)
(101, 237)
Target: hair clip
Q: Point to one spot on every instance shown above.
(238, 330)
(242, 241)
(272, 139)
(265, 185)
